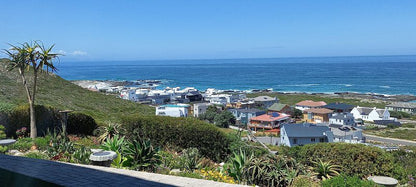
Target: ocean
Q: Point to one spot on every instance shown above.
(370, 74)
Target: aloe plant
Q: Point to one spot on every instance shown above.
(115, 144)
(237, 164)
(141, 155)
(325, 170)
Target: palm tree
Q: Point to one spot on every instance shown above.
(24, 57)
(325, 170)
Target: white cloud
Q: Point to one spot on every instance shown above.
(62, 52)
(79, 53)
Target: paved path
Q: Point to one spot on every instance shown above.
(389, 140)
(87, 175)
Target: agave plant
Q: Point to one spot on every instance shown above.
(237, 164)
(115, 144)
(108, 131)
(190, 159)
(141, 155)
(325, 170)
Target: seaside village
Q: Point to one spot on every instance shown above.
(304, 123)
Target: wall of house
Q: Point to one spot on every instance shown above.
(284, 140)
(408, 110)
(172, 111)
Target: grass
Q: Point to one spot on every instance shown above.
(407, 132)
(292, 99)
(64, 95)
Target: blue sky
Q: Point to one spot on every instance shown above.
(170, 29)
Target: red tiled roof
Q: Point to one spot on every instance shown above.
(267, 117)
(311, 103)
(319, 110)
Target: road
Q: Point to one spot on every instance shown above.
(390, 140)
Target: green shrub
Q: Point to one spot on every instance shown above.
(3, 149)
(42, 143)
(37, 155)
(189, 175)
(399, 114)
(81, 155)
(2, 133)
(409, 125)
(22, 144)
(304, 181)
(352, 158)
(80, 124)
(347, 181)
(141, 155)
(180, 133)
(170, 160)
(405, 164)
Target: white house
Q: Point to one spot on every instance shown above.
(370, 114)
(342, 119)
(178, 110)
(200, 108)
(403, 107)
(302, 134)
(129, 94)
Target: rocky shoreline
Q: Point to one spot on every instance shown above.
(370, 97)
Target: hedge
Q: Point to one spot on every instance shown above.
(47, 118)
(354, 159)
(180, 133)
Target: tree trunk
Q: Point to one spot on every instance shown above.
(33, 129)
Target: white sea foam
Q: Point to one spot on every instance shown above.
(384, 86)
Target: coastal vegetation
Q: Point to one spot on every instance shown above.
(60, 94)
(293, 98)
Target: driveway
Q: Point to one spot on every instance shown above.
(394, 141)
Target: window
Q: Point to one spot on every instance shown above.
(321, 140)
(312, 139)
(295, 141)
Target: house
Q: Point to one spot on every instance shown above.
(244, 115)
(308, 104)
(222, 99)
(178, 110)
(302, 134)
(402, 107)
(268, 121)
(370, 114)
(281, 108)
(200, 108)
(129, 94)
(316, 115)
(339, 107)
(342, 119)
(265, 101)
(347, 134)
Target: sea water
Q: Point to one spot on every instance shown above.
(370, 74)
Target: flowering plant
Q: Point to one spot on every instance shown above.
(21, 133)
(216, 176)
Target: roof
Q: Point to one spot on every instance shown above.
(402, 105)
(277, 106)
(252, 110)
(264, 98)
(380, 112)
(319, 110)
(305, 130)
(339, 106)
(267, 117)
(311, 103)
(364, 110)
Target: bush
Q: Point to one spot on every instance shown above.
(180, 133)
(80, 124)
(22, 144)
(347, 181)
(409, 125)
(353, 158)
(399, 114)
(42, 142)
(37, 155)
(47, 118)
(2, 133)
(304, 181)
